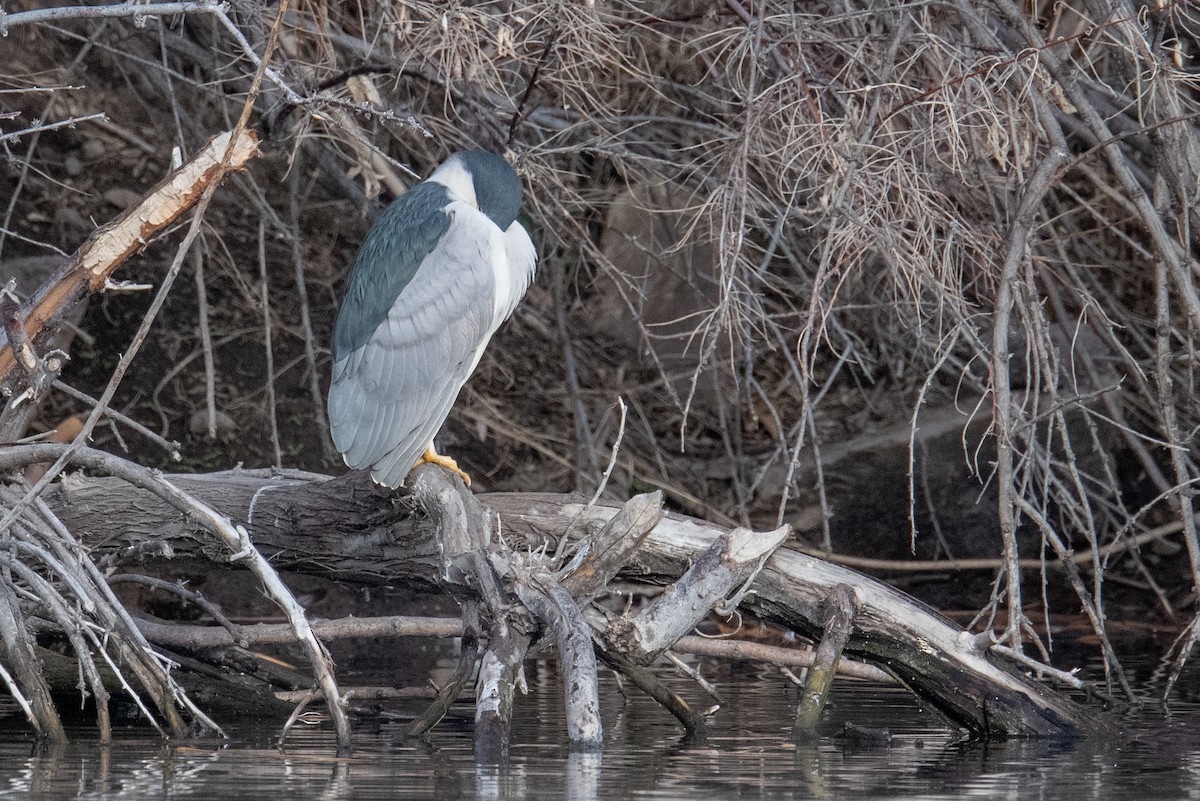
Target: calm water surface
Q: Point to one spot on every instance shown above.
(748, 755)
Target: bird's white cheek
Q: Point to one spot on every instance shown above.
(457, 181)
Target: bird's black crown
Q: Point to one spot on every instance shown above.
(497, 187)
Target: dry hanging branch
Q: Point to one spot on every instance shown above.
(90, 269)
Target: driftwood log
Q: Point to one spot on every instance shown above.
(343, 528)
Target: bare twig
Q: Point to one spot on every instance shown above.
(616, 448)
(18, 647)
(51, 126)
(191, 596)
(210, 376)
(170, 446)
(310, 345)
(468, 661)
(584, 445)
(135, 10)
(193, 637)
(775, 655)
(268, 350)
(1006, 485)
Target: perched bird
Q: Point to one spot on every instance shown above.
(443, 266)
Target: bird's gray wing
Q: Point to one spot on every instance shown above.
(391, 394)
(406, 232)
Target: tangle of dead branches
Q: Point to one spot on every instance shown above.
(862, 211)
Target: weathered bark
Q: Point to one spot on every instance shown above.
(91, 267)
(839, 622)
(126, 638)
(464, 539)
(197, 637)
(555, 607)
(727, 564)
(231, 696)
(499, 672)
(341, 528)
(599, 557)
(19, 651)
(935, 658)
(452, 690)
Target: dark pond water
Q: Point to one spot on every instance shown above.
(748, 755)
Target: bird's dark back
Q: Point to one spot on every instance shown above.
(405, 233)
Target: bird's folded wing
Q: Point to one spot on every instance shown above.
(391, 395)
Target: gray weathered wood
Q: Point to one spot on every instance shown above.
(935, 658)
(839, 619)
(601, 555)
(548, 600)
(343, 529)
(718, 572)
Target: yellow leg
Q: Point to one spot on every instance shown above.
(433, 457)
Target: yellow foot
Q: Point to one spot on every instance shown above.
(433, 457)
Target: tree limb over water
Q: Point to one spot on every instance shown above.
(345, 529)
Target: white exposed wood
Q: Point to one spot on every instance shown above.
(166, 202)
(720, 571)
(96, 260)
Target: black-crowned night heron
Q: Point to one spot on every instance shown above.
(443, 266)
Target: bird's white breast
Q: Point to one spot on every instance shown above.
(513, 260)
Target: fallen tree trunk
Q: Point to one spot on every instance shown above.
(939, 661)
(343, 528)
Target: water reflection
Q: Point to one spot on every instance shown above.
(748, 754)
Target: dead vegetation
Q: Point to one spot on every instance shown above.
(907, 277)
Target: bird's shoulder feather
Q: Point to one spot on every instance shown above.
(404, 235)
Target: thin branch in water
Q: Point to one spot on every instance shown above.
(1081, 591)
(15, 691)
(694, 674)
(132, 648)
(302, 704)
